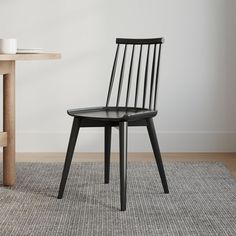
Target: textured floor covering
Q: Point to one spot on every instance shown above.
(202, 201)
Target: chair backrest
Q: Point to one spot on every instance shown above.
(139, 63)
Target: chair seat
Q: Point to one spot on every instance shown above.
(112, 113)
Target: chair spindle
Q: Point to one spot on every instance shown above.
(157, 74)
(112, 75)
(138, 74)
(121, 77)
(152, 77)
(129, 79)
(146, 77)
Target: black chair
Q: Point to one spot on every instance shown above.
(126, 115)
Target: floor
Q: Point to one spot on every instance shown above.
(228, 159)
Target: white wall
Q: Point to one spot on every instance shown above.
(197, 96)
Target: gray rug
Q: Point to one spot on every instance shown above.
(202, 201)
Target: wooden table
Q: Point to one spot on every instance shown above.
(7, 137)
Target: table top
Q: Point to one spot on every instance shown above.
(30, 56)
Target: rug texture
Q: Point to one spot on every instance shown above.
(202, 201)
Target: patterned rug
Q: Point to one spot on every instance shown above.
(202, 201)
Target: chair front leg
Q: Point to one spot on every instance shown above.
(157, 153)
(107, 156)
(123, 133)
(69, 155)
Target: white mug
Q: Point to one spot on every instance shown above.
(8, 46)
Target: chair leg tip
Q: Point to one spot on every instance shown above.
(123, 207)
(166, 191)
(59, 196)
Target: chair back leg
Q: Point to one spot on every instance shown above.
(107, 155)
(123, 133)
(157, 153)
(69, 155)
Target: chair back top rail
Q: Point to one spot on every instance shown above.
(140, 41)
(138, 68)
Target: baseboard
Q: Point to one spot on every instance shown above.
(91, 140)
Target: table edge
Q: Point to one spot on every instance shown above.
(30, 56)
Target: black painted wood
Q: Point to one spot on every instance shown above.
(121, 77)
(122, 116)
(123, 134)
(112, 113)
(85, 123)
(112, 75)
(140, 41)
(138, 76)
(152, 77)
(157, 75)
(129, 80)
(150, 47)
(107, 153)
(146, 77)
(69, 155)
(157, 153)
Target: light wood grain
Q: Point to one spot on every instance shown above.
(9, 125)
(3, 139)
(7, 139)
(228, 159)
(30, 56)
(5, 67)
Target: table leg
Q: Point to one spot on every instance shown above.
(9, 125)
